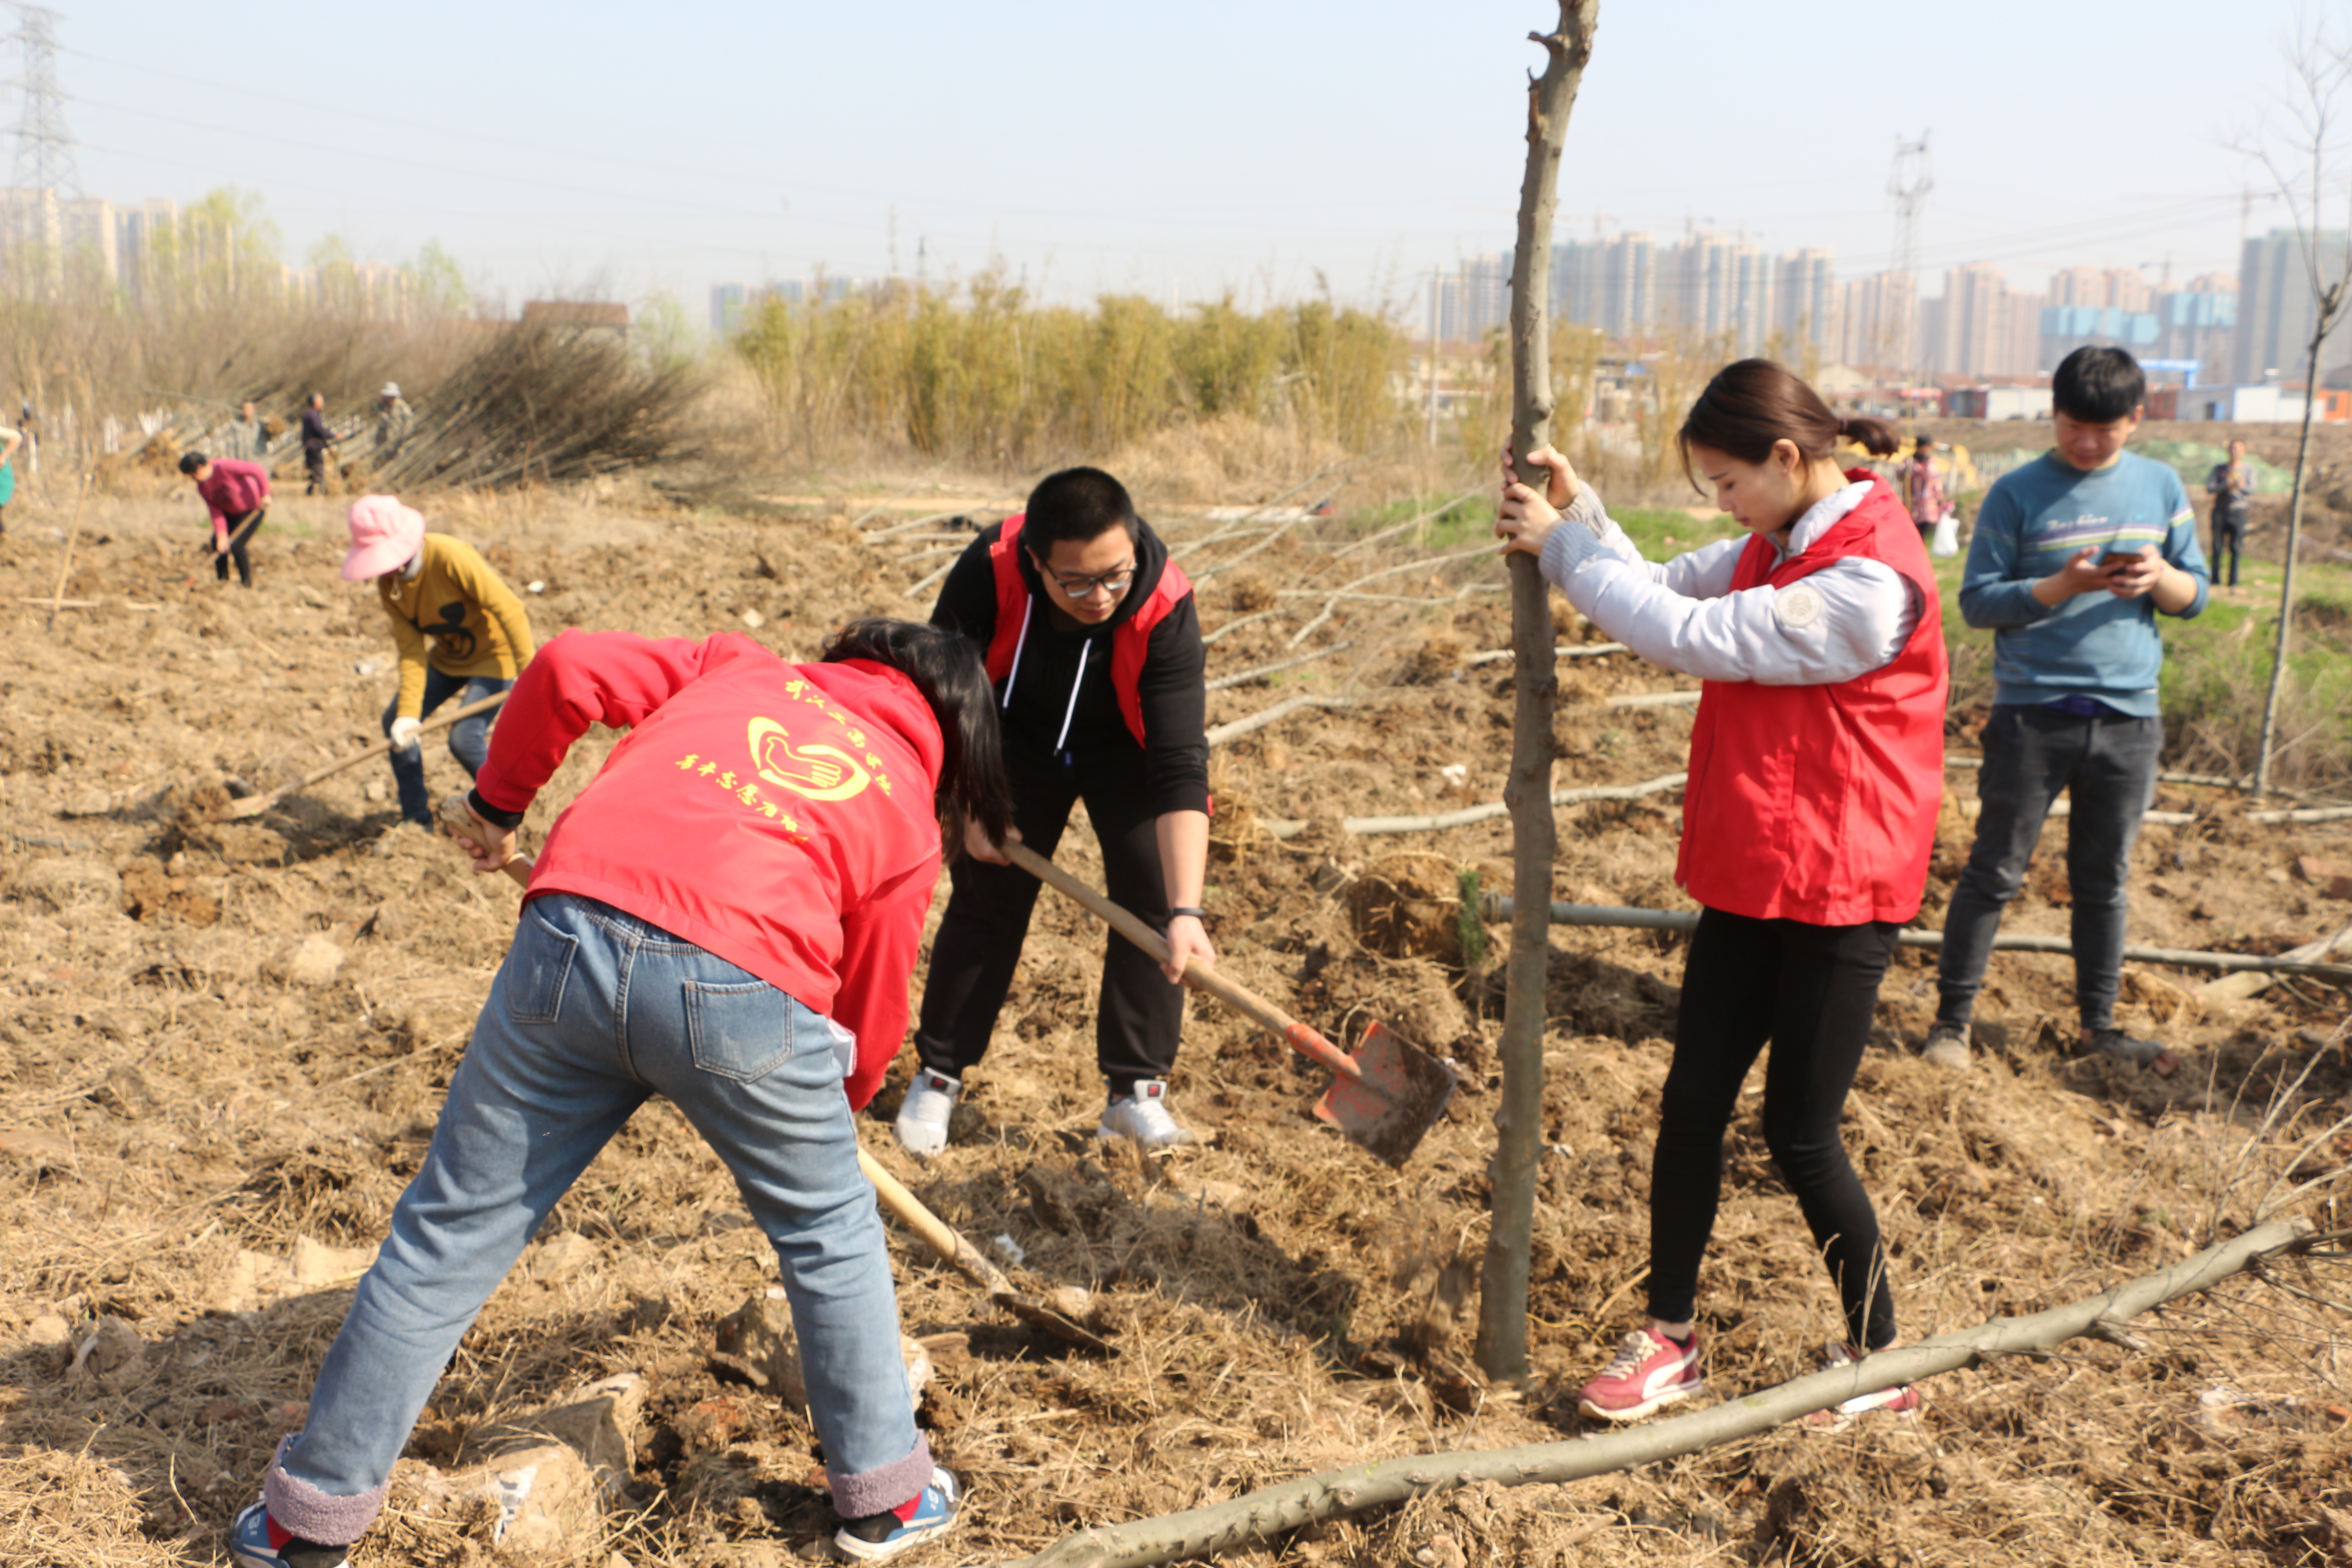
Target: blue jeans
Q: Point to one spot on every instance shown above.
(470, 739)
(2108, 768)
(593, 1010)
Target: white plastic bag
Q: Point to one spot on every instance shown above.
(1947, 542)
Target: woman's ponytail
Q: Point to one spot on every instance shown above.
(947, 668)
(1873, 436)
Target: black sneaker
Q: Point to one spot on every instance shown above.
(258, 1540)
(1947, 1046)
(2113, 1042)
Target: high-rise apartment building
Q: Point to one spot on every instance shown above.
(1879, 321)
(1805, 306)
(2276, 306)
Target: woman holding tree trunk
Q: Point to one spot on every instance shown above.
(1816, 767)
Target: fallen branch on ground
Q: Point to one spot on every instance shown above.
(1275, 1511)
(1237, 624)
(2233, 988)
(1372, 538)
(1239, 677)
(1288, 827)
(1499, 907)
(1969, 805)
(1343, 591)
(1653, 699)
(1259, 511)
(1583, 650)
(1219, 733)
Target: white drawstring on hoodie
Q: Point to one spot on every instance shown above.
(1013, 674)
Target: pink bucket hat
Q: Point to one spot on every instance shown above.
(384, 534)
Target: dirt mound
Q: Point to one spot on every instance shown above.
(225, 1043)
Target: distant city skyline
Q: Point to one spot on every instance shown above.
(1249, 148)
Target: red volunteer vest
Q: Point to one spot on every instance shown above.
(1129, 643)
(1818, 803)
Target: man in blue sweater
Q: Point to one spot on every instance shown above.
(2074, 555)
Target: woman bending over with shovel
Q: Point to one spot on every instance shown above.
(728, 916)
(1816, 765)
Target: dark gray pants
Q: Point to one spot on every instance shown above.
(2107, 767)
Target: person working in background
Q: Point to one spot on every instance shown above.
(393, 419)
(246, 438)
(317, 437)
(460, 629)
(1923, 488)
(236, 494)
(2231, 485)
(1094, 644)
(9, 441)
(2074, 556)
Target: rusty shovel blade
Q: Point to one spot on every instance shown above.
(1399, 1097)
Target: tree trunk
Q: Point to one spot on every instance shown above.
(1502, 1291)
(1277, 1509)
(2293, 545)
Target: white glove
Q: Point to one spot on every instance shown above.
(404, 732)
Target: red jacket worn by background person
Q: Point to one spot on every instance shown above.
(1818, 803)
(231, 489)
(1130, 641)
(779, 815)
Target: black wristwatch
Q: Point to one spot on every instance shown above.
(1202, 915)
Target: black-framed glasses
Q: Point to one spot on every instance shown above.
(1110, 581)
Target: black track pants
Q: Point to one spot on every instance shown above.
(1811, 991)
(1140, 1016)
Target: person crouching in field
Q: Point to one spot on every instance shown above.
(460, 630)
(727, 917)
(1817, 762)
(237, 495)
(1094, 644)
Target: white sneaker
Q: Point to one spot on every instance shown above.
(1143, 1116)
(923, 1116)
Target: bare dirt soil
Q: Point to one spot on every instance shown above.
(223, 1046)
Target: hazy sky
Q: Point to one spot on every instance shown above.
(1184, 149)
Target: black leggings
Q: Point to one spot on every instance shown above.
(1811, 990)
(1140, 1016)
(236, 551)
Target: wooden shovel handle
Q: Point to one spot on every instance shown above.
(439, 721)
(1233, 993)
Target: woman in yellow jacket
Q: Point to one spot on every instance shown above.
(461, 632)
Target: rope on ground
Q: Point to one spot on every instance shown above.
(1242, 676)
(1274, 1512)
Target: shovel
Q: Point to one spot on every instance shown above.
(953, 1249)
(1386, 1096)
(966, 1259)
(261, 803)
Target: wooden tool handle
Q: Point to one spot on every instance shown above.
(1233, 993)
(437, 722)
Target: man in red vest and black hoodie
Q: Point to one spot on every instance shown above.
(1094, 645)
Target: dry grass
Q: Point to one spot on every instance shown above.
(207, 1121)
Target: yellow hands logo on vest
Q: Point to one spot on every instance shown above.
(818, 771)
